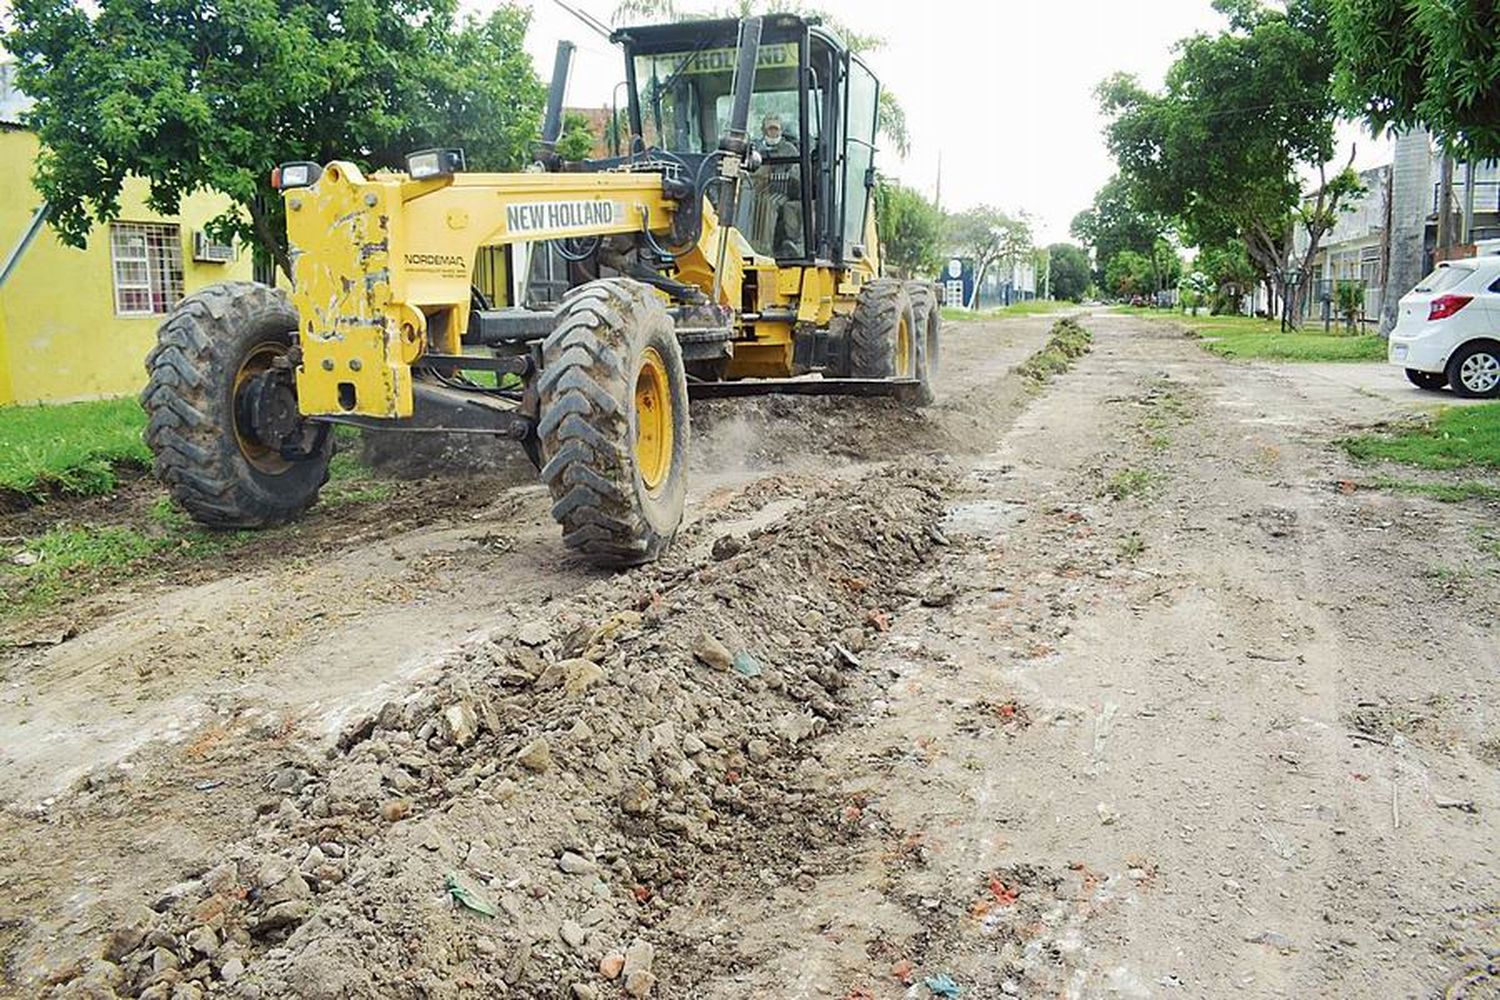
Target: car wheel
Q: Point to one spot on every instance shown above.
(1474, 371)
(1431, 381)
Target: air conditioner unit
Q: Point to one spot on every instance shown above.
(207, 251)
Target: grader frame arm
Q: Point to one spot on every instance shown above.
(382, 265)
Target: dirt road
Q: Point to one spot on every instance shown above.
(1116, 688)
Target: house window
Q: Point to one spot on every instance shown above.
(147, 261)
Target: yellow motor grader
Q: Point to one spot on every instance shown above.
(573, 307)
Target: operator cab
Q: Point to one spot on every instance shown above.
(812, 121)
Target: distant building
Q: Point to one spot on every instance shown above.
(1000, 285)
(76, 324)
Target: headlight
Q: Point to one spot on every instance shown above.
(434, 163)
(295, 175)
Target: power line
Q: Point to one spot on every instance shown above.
(588, 19)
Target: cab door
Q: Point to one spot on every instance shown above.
(861, 111)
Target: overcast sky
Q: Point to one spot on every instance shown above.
(1002, 89)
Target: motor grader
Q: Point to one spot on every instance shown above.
(573, 307)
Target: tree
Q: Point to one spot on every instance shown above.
(1070, 271)
(1429, 62)
(577, 139)
(910, 227)
(195, 96)
(990, 237)
(1229, 270)
(1221, 146)
(1116, 222)
(1128, 274)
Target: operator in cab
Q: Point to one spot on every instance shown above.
(779, 189)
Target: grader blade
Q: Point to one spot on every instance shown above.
(802, 387)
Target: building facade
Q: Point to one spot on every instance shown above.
(77, 324)
(1387, 239)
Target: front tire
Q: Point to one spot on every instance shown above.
(1474, 371)
(614, 423)
(1431, 381)
(211, 347)
(882, 335)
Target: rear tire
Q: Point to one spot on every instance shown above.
(927, 326)
(211, 464)
(1431, 381)
(614, 423)
(1474, 371)
(882, 334)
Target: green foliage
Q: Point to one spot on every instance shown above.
(1273, 346)
(1349, 301)
(1432, 62)
(1443, 493)
(1459, 436)
(1253, 338)
(193, 97)
(1070, 272)
(1067, 342)
(989, 236)
(72, 447)
(1128, 273)
(1115, 222)
(1219, 149)
(910, 227)
(577, 139)
(1230, 272)
(1128, 483)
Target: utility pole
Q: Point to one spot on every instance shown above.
(1466, 225)
(937, 195)
(1445, 203)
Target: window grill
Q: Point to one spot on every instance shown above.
(147, 259)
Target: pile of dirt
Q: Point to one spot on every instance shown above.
(522, 824)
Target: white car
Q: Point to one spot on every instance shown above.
(1448, 332)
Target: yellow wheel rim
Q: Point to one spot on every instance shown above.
(654, 420)
(257, 361)
(903, 349)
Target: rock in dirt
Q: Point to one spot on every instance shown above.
(460, 723)
(636, 800)
(573, 934)
(129, 932)
(727, 547)
(712, 652)
(940, 595)
(536, 756)
(640, 956)
(580, 674)
(639, 984)
(611, 965)
(287, 914)
(232, 970)
(394, 810)
(534, 633)
(574, 864)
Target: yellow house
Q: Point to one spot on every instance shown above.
(76, 324)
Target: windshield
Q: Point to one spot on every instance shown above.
(1445, 277)
(685, 96)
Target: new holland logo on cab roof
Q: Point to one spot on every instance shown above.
(547, 215)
